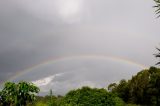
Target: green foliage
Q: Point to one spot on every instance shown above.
(48, 100)
(18, 94)
(52, 101)
(112, 86)
(143, 88)
(90, 97)
(121, 89)
(40, 104)
(7, 94)
(119, 101)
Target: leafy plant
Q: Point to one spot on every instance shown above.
(18, 94)
(90, 97)
(158, 7)
(157, 55)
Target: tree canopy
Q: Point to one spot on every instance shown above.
(143, 88)
(91, 97)
(18, 94)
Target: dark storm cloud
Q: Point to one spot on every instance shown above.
(21, 42)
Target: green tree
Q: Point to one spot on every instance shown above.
(143, 88)
(121, 89)
(7, 94)
(154, 87)
(112, 87)
(91, 97)
(138, 86)
(18, 94)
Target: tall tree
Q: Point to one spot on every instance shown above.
(120, 89)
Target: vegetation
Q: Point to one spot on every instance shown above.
(157, 7)
(18, 94)
(84, 96)
(143, 88)
(91, 97)
(157, 56)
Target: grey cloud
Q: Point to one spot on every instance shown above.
(35, 31)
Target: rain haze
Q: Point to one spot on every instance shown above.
(66, 44)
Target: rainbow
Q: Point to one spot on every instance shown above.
(64, 58)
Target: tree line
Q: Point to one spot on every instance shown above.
(143, 88)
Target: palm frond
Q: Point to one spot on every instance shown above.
(157, 56)
(158, 63)
(158, 49)
(158, 7)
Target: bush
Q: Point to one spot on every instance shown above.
(91, 97)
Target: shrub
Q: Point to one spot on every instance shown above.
(90, 97)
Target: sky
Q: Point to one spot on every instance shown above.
(66, 44)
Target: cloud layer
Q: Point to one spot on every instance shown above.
(33, 31)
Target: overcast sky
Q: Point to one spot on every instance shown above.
(34, 31)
